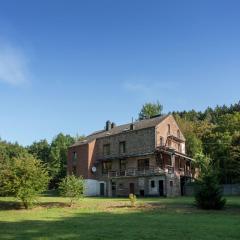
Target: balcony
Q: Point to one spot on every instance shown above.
(134, 172)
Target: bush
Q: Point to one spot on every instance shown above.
(72, 187)
(133, 199)
(23, 177)
(208, 193)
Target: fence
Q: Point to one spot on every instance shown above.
(228, 189)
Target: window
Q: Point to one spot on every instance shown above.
(143, 164)
(74, 158)
(122, 147)
(178, 133)
(123, 164)
(171, 183)
(169, 143)
(74, 170)
(152, 184)
(159, 160)
(161, 141)
(179, 147)
(169, 129)
(120, 186)
(106, 166)
(106, 149)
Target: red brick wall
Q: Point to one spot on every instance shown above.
(85, 159)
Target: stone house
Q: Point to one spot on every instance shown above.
(145, 157)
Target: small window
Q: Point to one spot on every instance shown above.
(74, 170)
(122, 147)
(120, 185)
(169, 129)
(171, 183)
(161, 141)
(169, 143)
(152, 184)
(74, 158)
(178, 133)
(179, 147)
(106, 149)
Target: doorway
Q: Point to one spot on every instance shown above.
(131, 188)
(102, 189)
(113, 189)
(160, 188)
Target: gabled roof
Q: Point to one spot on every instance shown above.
(138, 125)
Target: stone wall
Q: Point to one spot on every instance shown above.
(137, 143)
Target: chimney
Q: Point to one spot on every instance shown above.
(108, 125)
(113, 125)
(132, 126)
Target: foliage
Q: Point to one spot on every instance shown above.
(133, 199)
(150, 109)
(202, 162)
(40, 150)
(23, 177)
(54, 155)
(58, 157)
(72, 187)
(214, 133)
(208, 193)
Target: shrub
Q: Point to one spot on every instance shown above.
(208, 193)
(72, 187)
(133, 199)
(23, 177)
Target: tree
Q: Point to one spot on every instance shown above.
(208, 193)
(202, 162)
(150, 109)
(193, 142)
(40, 150)
(58, 157)
(23, 177)
(72, 187)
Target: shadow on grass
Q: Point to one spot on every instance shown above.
(10, 205)
(13, 205)
(125, 225)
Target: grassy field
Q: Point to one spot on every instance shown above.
(104, 218)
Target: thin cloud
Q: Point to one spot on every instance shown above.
(13, 65)
(150, 88)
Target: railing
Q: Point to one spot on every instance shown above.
(184, 172)
(134, 172)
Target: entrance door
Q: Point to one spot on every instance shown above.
(131, 188)
(102, 189)
(160, 187)
(113, 189)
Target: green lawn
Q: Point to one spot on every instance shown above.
(104, 218)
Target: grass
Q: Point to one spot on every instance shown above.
(105, 218)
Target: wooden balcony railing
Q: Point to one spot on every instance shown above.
(134, 172)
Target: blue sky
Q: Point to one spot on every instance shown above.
(68, 66)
